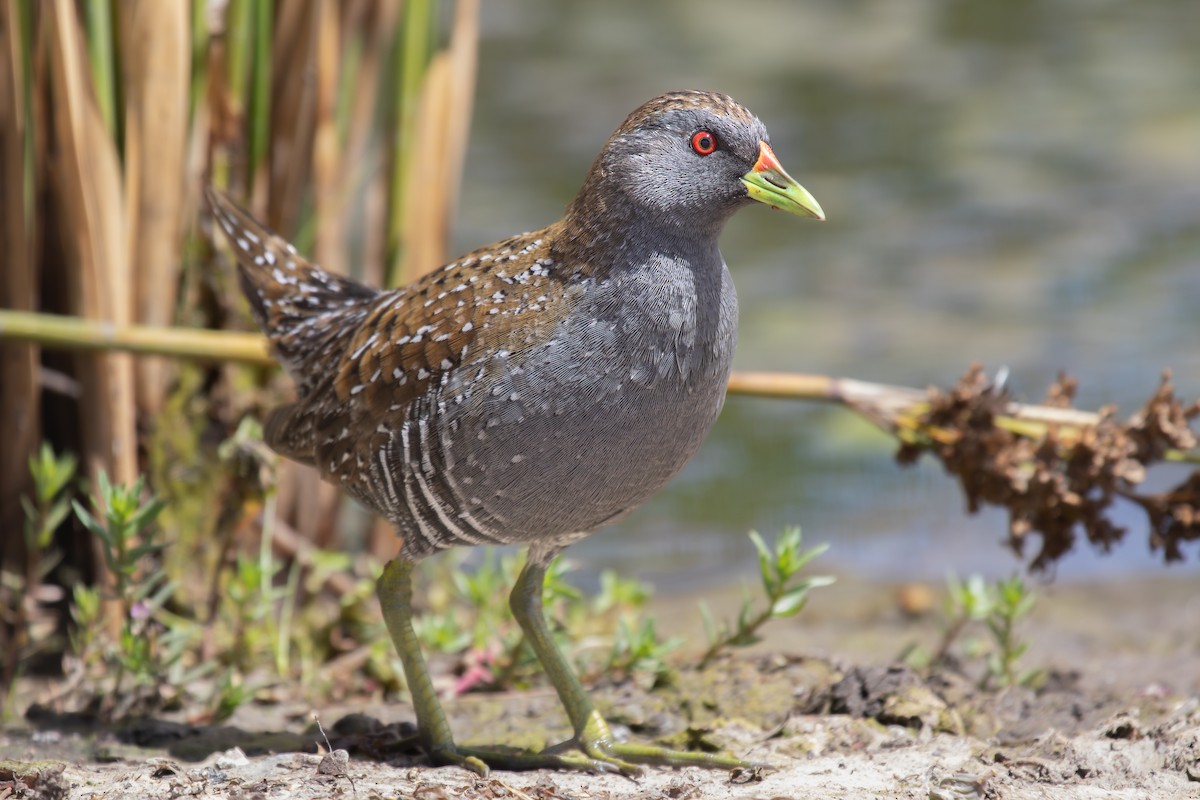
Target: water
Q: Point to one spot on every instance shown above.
(1015, 183)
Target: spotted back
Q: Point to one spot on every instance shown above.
(361, 358)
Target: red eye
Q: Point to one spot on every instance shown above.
(704, 143)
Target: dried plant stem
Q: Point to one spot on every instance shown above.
(87, 182)
(74, 333)
(439, 134)
(416, 43)
(98, 15)
(156, 79)
(896, 409)
(20, 422)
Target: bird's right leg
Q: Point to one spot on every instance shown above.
(394, 588)
(395, 598)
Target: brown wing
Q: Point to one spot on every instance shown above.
(413, 336)
(410, 338)
(409, 341)
(361, 357)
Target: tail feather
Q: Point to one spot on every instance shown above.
(305, 311)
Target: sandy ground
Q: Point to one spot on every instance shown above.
(1118, 716)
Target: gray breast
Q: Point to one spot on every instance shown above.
(545, 442)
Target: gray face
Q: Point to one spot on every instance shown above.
(655, 167)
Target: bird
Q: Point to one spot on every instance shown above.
(532, 391)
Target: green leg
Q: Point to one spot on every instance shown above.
(394, 589)
(592, 734)
(395, 598)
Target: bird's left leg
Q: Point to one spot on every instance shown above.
(593, 737)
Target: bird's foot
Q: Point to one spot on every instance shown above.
(628, 758)
(481, 760)
(569, 755)
(581, 754)
(451, 755)
(593, 750)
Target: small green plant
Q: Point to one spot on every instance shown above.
(785, 593)
(251, 592)
(52, 474)
(145, 649)
(22, 592)
(617, 593)
(484, 591)
(229, 692)
(998, 607)
(124, 525)
(1012, 601)
(468, 616)
(637, 649)
(967, 602)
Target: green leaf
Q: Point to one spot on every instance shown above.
(54, 517)
(808, 555)
(46, 565)
(745, 614)
(160, 597)
(91, 523)
(765, 559)
(710, 627)
(145, 515)
(789, 603)
(977, 598)
(1030, 677)
(787, 553)
(86, 606)
(792, 601)
(143, 551)
(106, 489)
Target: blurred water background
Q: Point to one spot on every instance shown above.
(1015, 183)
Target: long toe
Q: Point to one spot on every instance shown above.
(573, 760)
(454, 756)
(652, 755)
(573, 755)
(625, 757)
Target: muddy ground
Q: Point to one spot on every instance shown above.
(1117, 716)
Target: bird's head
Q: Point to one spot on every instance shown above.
(690, 159)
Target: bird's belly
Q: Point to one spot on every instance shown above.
(538, 469)
(579, 467)
(544, 439)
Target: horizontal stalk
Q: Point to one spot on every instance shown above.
(74, 333)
